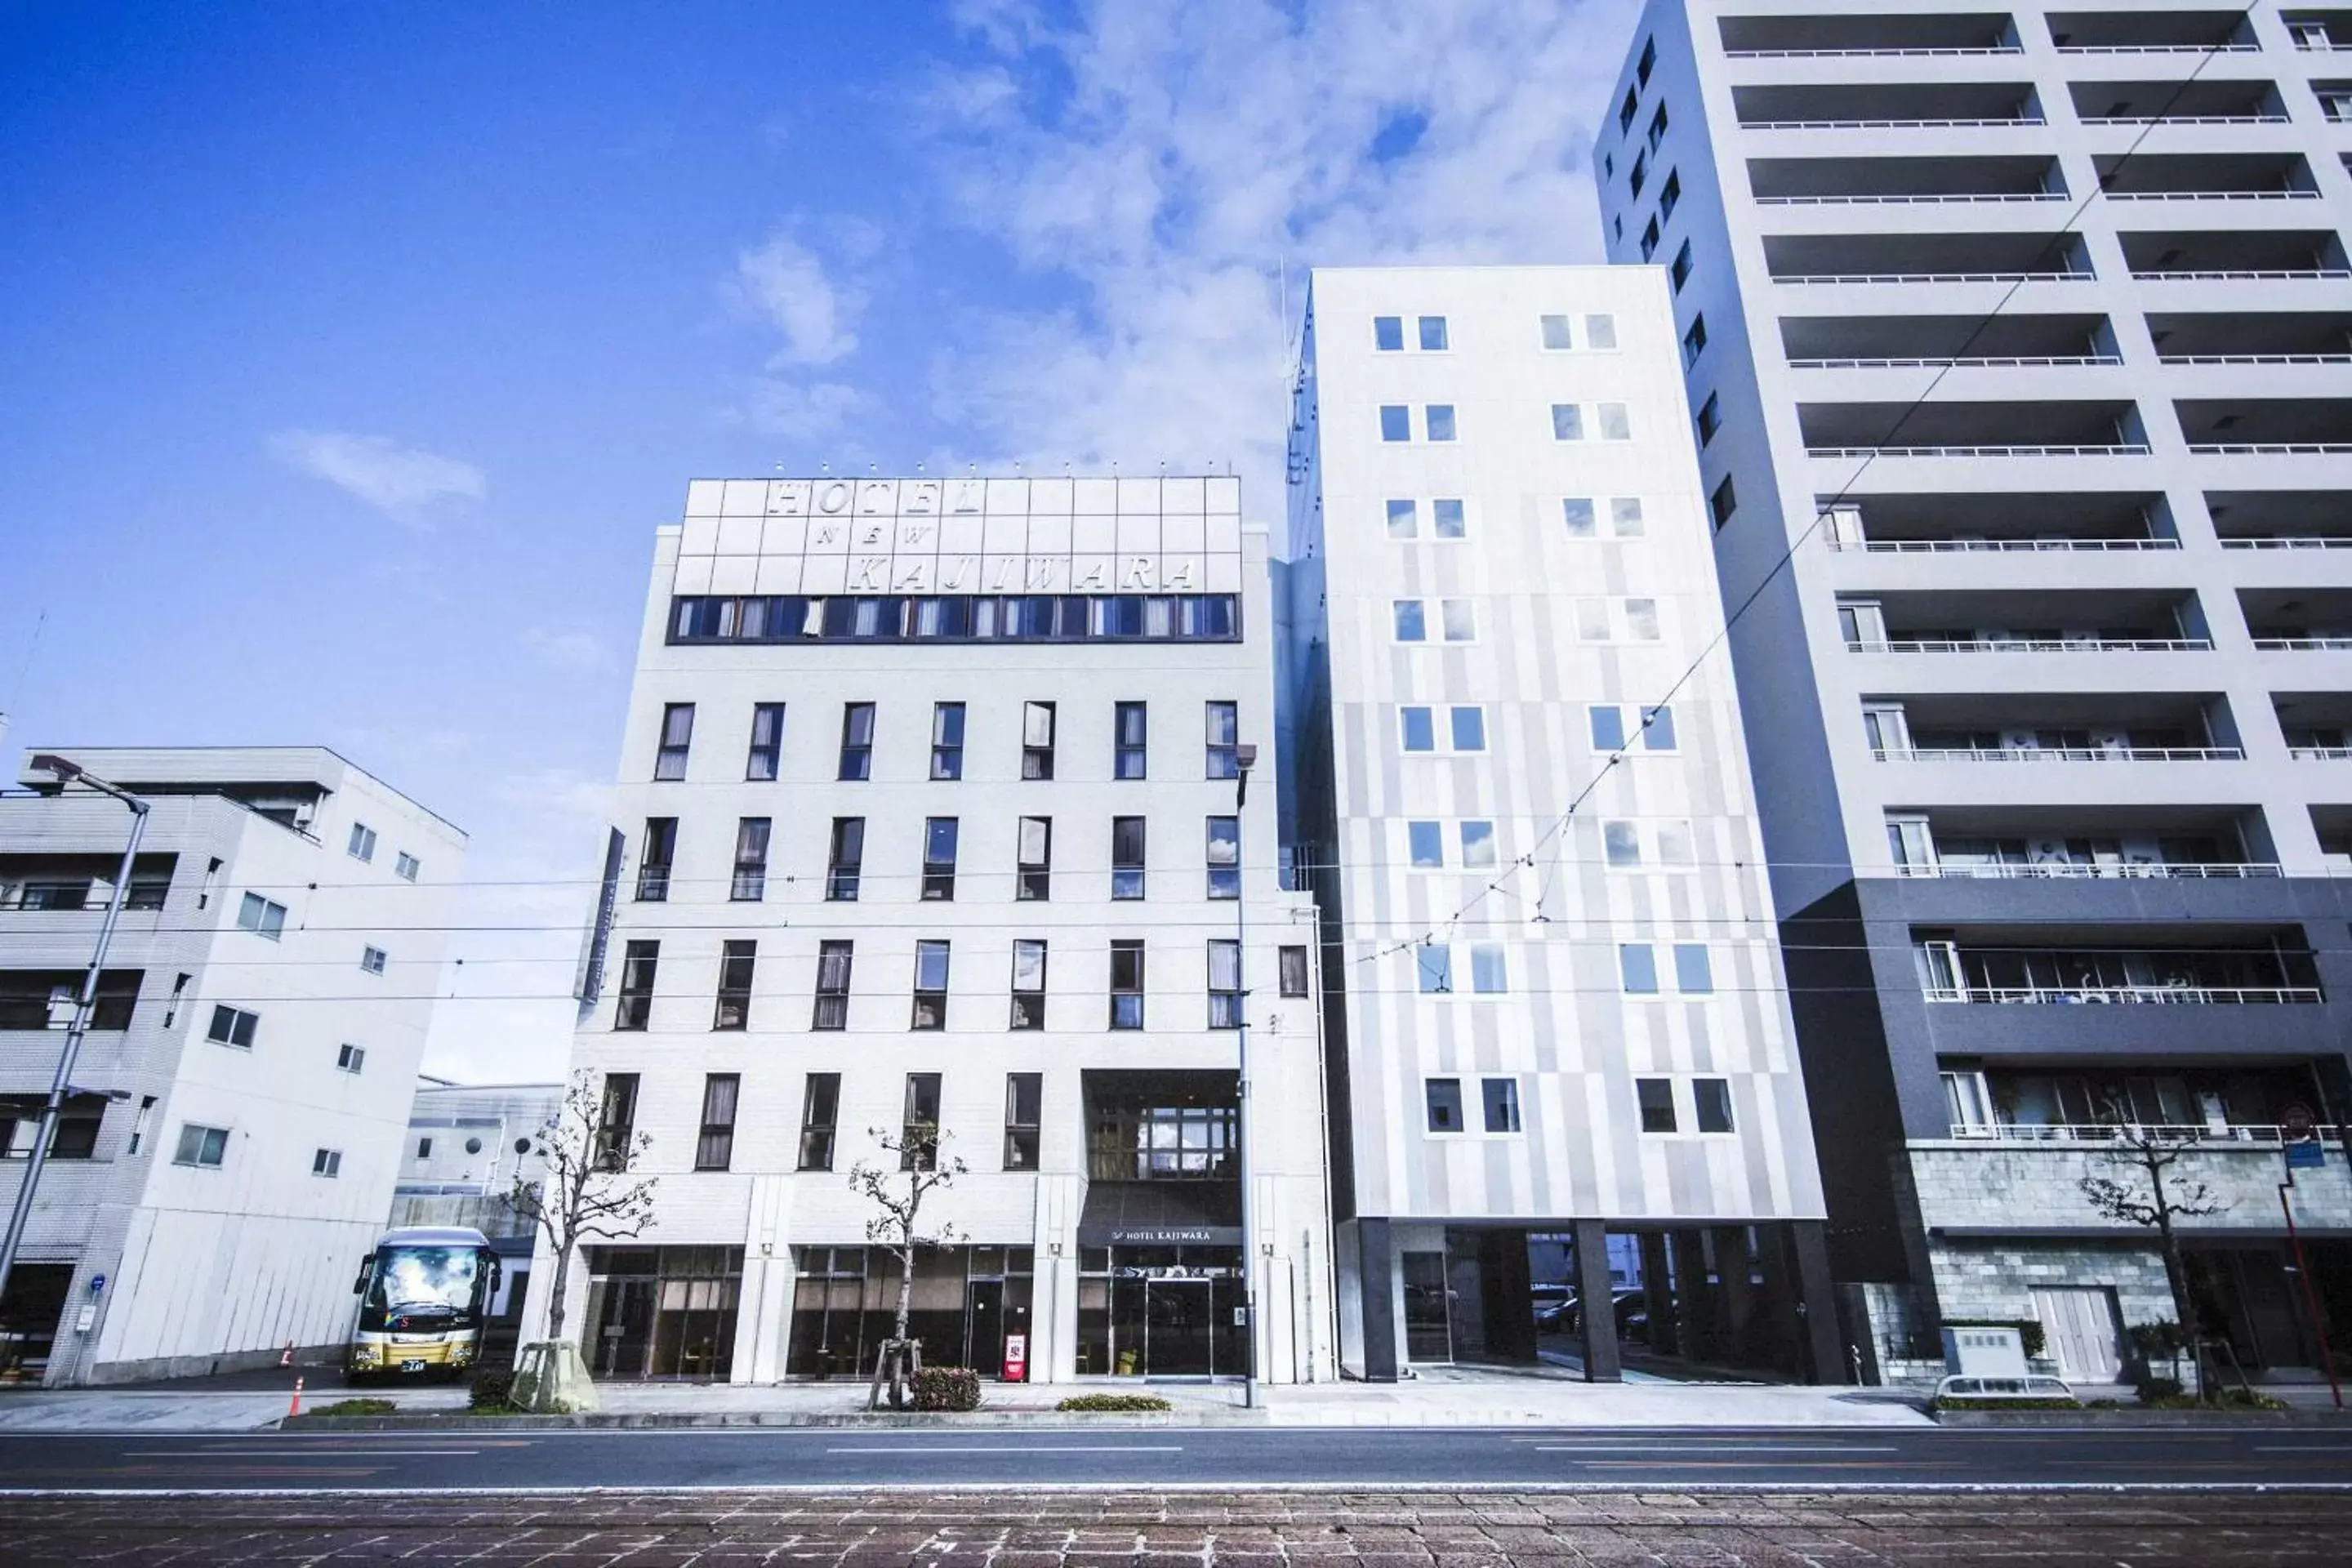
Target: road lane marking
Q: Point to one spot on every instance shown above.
(1003, 1448)
(232, 1454)
(2343, 1448)
(1710, 1448)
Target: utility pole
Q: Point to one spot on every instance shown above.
(1245, 758)
(60, 1085)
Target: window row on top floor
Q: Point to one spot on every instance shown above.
(1556, 333)
(955, 617)
(1039, 727)
(845, 875)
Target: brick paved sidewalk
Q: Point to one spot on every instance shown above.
(873, 1530)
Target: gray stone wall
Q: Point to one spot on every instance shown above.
(1984, 1184)
(1996, 1279)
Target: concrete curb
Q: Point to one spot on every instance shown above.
(1038, 1419)
(2165, 1418)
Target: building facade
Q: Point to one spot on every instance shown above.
(942, 822)
(470, 1146)
(1564, 1073)
(229, 1158)
(2017, 339)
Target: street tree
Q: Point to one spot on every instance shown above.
(898, 1198)
(2141, 1186)
(588, 1190)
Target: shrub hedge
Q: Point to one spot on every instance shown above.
(947, 1388)
(1114, 1403)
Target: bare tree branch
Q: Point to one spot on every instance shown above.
(586, 1151)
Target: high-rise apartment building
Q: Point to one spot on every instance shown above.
(1565, 1087)
(949, 809)
(227, 1153)
(2017, 339)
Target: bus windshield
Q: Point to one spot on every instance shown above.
(425, 1287)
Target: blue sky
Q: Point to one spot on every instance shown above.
(349, 355)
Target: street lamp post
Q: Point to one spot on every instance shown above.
(67, 772)
(1245, 758)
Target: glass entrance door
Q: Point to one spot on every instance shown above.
(624, 1327)
(984, 1319)
(1177, 1327)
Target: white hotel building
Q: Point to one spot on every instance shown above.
(933, 799)
(1563, 1065)
(242, 1094)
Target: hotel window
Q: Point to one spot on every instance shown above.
(1478, 846)
(1224, 856)
(930, 986)
(1600, 331)
(1592, 620)
(1557, 336)
(1411, 623)
(918, 1125)
(1037, 740)
(856, 741)
(1694, 972)
(1418, 727)
(617, 1118)
(833, 961)
(1658, 120)
(1433, 334)
(1616, 424)
(1641, 619)
(1501, 1096)
(633, 1008)
(1713, 1096)
(1637, 969)
(1224, 730)
(1631, 107)
(405, 866)
(1681, 270)
(349, 1058)
(820, 1114)
(844, 859)
(654, 859)
(1694, 341)
(1488, 974)
(939, 835)
(200, 1145)
(362, 844)
(1567, 422)
(766, 755)
(714, 1150)
(232, 1026)
(1396, 422)
(1710, 418)
(1028, 985)
(946, 740)
(1621, 844)
(261, 916)
(1126, 858)
(1224, 984)
(1126, 985)
(1443, 1098)
(1447, 520)
(1458, 619)
(1387, 335)
(1035, 851)
(1128, 728)
(1024, 1094)
(1670, 195)
(1434, 968)
(1655, 1098)
(1469, 726)
(1404, 520)
(749, 884)
(1426, 842)
(677, 739)
(1437, 421)
(1645, 65)
(1577, 514)
(1723, 501)
(1676, 846)
(1626, 517)
(1291, 976)
(1649, 238)
(373, 960)
(737, 959)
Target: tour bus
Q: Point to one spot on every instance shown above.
(425, 1293)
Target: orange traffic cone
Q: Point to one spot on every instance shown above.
(295, 1408)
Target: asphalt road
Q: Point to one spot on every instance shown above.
(1152, 1458)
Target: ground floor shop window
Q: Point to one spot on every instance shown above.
(1161, 1311)
(662, 1311)
(967, 1301)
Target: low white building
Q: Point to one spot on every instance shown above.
(469, 1145)
(229, 1156)
(933, 792)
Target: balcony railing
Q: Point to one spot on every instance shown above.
(2133, 995)
(1844, 279)
(2094, 870)
(2303, 644)
(2320, 753)
(2063, 754)
(2021, 546)
(2292, 542)
(1932, 199)
(2255, 359)
(1975, 362)
(1888, 124)
(2267, 195)
(2033, 645)
(2236, 1134)
(2263, 118)
(2271, 449)
(2238, 48)
(1847, 54)
(2119, 449)
(2246, 275)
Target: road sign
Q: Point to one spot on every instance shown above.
(97, 1283)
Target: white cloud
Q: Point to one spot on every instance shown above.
(786, 284)
(575, 652)
(1170, 160)
(400, 481)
